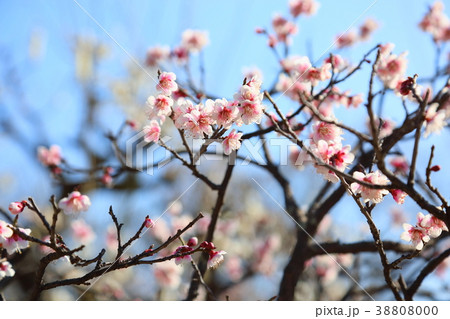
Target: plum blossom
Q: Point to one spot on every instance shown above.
(167, 83)
(75, 203)
(314, 75)
(367, 28)
(370, 194)
(263, 261)
(434, 120)
(283, 28)
(82, 231)
(346, 39)
(326, 131)
(415, 234)
(15, 243)
(215, 258)
(391, 68)
(149, 223)
(385, 128)
(197, 121)
(17, 207)
(400, 165)
(333, 154)
(398, 195)
(6, 270)
(231, 142)
(181, 54)
(433, 225)
(49, 156)
(225, 113)
(306, 7)
(158, 106)
(5, 232)
(436, 22)
(339, 63)
(156, 55)
(249, 100)
(194, 40)
(152, 132)
(183, 250)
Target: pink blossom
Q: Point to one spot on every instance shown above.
(416, 235)
(346, 39)
(296, 65)
(152, 132)
(6, 270)
(252, 73)
(82, 231)
(167, 83)
(51, 156)
(367, 28)
(367, 193)
(181, 54)
(159, 106)
(194, 40)
(433, 225)
(75, 203)
(338, 62)
(234, 268)
(315, 75)
(225, 113)
(436, 22)
(354, 100)
(198, 121)
(250, 102)
(149, 223)
(15, 243)
(156, 55)
(183, 250)
(215, 258)
(232, 142)
(5, 232)
(400, 164)
(283, 28)
(327, 132)
(391, 68)
(306, 7)
(398, 195)
(434, 120)
(17, 207)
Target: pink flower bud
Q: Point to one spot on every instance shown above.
(149, 223)
(17, 207)
(193, 241)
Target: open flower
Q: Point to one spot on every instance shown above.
(6, 270)
(14, 243)
(367, 193)
(416, 235)
(75, 203)
(49, 156)
(215, 258)
(167, 83)
(231, 142)
(152, 132)
(5, 232)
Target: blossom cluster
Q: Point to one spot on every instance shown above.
(192, 41)
(215, 256)
(352, 37)
(202, 119)
(436, 23)
(326, 147)
(390, 67)
(427, 226)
